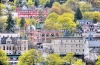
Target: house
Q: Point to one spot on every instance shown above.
(13, 45)
(38, 13)
(82, 22)
(93, 29)
(91, 48)
(37, 35)
(63, 45)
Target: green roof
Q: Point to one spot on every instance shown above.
(38, 26)
(24, 37)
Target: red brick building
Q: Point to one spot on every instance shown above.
(38, 13)
(42, 36)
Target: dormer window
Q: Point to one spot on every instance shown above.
(8, 41)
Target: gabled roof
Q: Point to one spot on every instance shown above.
(24, 37)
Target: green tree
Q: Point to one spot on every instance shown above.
(98, 61)
(3, 58)
(78, 62)
(22, 22)
(69, 57)
(78, 15)
(84, 7)
(30, 2)
(43, 2)
(54, 59)
(30, 57)
(10, 24)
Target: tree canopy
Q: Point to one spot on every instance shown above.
(30, 57)
(3, 58)
(58, 22)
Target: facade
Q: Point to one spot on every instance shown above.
(41, 36)
(68, 44)
(91, 48)
(39, 13)
(93, 29)
(13, 45)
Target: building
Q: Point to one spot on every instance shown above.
(64, 45)
(82, 22)
(91, 48)
(92, 29)
(39, 13)
(41, 36)
(13, 45)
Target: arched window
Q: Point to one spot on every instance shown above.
(57, 35)
(47, 34)
(43, 35)
(52, 34)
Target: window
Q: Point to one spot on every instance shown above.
(72, 45)
(43, 35)
(57, 35)
(76, 45)
(47, 34)
(72, 50)
(3, 47)
(79, 49)
(76, 49)
(8, 41)
(52, 34)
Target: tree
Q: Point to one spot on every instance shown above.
(43, 2)
(84, 7)
(3, 58)
(58, 22)
(10, 24)
(54, 59)
(69, 57)
(30, 57)
(78, 62)
(78, 15)
(22, 22)
(66, 22)
(98, 61)
(30, 2)
(73, 4)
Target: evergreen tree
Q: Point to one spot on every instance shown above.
(10, 24)
(78, 15)
(22, 21)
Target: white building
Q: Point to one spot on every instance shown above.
(68, 44)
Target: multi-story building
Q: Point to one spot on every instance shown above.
(13, 45)
(68, 44)
(41, 36)
(91, 48)
(39, 13)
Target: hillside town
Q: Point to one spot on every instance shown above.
(49, 32)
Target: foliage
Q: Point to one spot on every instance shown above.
(43, 2)
(10, 24)
(22, 22)
(92, 15)
(30, 57)
(73, 4)
(69, 57)
(78, 15)
(98, 61)
(54, 59)
(60, 9)
(78, 62)
(16, 2)
(3, 58)
(84, 7)
(58, 22)
(30, 2)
